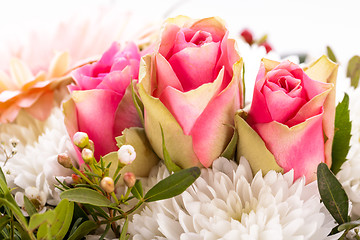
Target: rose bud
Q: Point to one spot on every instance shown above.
(290, 124)
(191, 87)
(267, 46)
(101, 101)
(107, 184)
(247, 35)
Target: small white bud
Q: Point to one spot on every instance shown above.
(13, 151)
(81, 139)
(126, 154)
(107, 183)
(129, 179)
(14, 142)
(64, 160)
(87, 155)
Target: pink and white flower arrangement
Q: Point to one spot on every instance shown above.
(229, 168)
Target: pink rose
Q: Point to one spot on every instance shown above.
(292, 113)
(191, 87)
(101, 103)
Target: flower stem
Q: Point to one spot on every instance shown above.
(81, 175)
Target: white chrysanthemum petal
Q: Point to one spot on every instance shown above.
(36, 164)
(226, 201)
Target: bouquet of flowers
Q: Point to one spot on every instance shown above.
(184, 132)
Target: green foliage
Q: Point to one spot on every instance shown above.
(331, 54)
(353, 71)
(83, 230)
(86, 195)
(173, 185)
(332, 194)
(341, 143)
(137, 190)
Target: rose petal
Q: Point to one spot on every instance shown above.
(89, 105)
(177, 143)
(281, 106)
(311, 108)
(187, 107)
(165, 75)
(195, 66)
(126, 115)
(324, 70)
(213, 25)
(106, 61)
(82, 77)
(228, 56)
(117, 81)
(71, 123)
(259, 112)
(167, 39)
(293, 148)
(211, 132)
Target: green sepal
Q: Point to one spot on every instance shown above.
(229, 151)
(138, 103)
(170, 165)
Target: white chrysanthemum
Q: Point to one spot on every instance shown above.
(36, 165)
(349, 174)
(227, 202)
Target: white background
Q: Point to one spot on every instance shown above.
(293, 26)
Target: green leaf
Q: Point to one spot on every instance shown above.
(353, 70)
(341, 143)
(2, 175)
(170, 165)
(123, 235)
(41, 218)
(137, 190)
(332, 194)
(4, 220)
(86, 195)
(83, 230)
(64, 213)
(12, 205)
(138, 103)
(173, 185)
(330, 54)
(349, 225)
(229, 151)
(29, 206)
